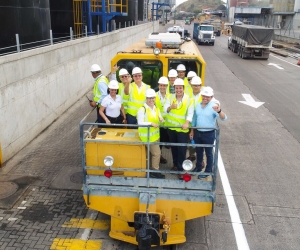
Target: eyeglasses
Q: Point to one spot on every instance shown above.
(181, 72)
(123, 76)
(137, 75)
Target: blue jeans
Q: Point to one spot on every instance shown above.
(178, 152)
(206, 137)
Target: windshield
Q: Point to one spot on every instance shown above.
(206, 28)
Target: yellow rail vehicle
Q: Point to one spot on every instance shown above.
(144, 211)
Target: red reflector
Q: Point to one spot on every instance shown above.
(108, 173)
(187, 177)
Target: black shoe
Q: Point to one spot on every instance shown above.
(157, 175)
(163, 160)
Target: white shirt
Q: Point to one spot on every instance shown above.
(112, 107)
(142, 112)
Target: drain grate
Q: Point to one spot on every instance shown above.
(7, 188)
(76, 177)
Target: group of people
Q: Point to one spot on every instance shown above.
(179, 104)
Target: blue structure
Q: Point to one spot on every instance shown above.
(105, 9)
(156, 7)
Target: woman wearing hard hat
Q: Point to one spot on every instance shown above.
(161, 97)
(112, 110)
(150, 115)
(125, 77)
(137, 95)
(180, 110)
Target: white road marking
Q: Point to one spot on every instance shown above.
(275, 65)
(91, 214)
(237, 225)
(250, 101)
(285, 61)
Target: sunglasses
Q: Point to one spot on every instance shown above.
(123, 76)
(137, 75)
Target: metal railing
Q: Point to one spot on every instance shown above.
(20, 47)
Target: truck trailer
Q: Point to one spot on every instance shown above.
(251, 41)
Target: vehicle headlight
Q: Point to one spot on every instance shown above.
(187, 165)
(108, 161)
(156, 51)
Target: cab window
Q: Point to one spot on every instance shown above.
(190, 65)
(152, 70)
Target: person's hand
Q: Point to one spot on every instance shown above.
(192, 134)
(161, 119)
(185, 125)
(93, 104)
(115, 68)
(129, 79)
(124, 121)
(173, 106)
(154, 125)
(216, 108)
(107, 121)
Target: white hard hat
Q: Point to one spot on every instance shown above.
(163, 80)
(136, 70)
(196, 80)
(179, 82)
(95, 68)
(150, 93)
(207, 91)
(123, 72)
(113, 84)
(172, 73)
(181, 67)
(191, 74)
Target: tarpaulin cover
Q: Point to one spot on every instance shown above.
(253, 35)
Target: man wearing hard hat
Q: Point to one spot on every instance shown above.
(172, 75)
(181, 69)
(180, 110)
(100, 87)
(205, 116)
(137, 95)
(150, 115)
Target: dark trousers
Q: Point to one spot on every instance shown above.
(99, 118)
(131, 119)
(115, 120)
(207, 137)
(163, 134)
(178, 152)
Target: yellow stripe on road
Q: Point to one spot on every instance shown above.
(87, 223)
(74, 244)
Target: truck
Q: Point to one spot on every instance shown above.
(251, 41)
(144, 211)
(217, 26)
(204, 34)
(180, 30)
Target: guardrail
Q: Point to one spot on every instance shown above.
(19, 47)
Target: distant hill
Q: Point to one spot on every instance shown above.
(196, 6)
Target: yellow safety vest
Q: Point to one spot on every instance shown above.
(161, 103)
(197, 101)
(188, 90)
(177, 117)
(186, 82)
(124, 97)
(96, 92)
(154, 132)
(136, 99)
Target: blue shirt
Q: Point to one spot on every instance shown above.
(206, 117)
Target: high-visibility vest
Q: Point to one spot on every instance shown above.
(197, 101)
(161, 103)
(177, 117)
(96, 92)
(168, 88)
(124, 97)
(136, 99)
(186, 82)
(154, 132)
(188, 90)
